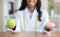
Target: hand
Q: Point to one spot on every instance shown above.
(49, 26)
(11, 26)
(11, 23)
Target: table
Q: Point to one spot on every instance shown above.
(28, 34)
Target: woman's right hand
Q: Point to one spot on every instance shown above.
(11, 27)
(11, 23)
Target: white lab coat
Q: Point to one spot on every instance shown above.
(30, 21)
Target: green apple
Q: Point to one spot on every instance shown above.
(10, 22)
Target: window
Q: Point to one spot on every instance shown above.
(57, 8)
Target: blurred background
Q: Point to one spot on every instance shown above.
(9, 7)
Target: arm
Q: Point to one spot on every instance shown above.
(18, 23)
(45, 20)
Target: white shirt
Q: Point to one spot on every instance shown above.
(30, 21)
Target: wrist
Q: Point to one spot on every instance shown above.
(14, 28)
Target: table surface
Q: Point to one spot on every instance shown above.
(28, 34)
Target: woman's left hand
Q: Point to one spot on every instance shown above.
(50, 25)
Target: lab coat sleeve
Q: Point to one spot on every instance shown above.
(18, 23)
(45, 19)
